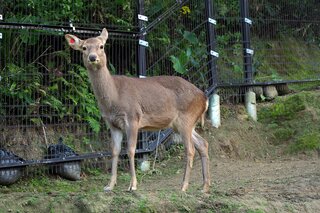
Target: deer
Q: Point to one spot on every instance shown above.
(129, 104)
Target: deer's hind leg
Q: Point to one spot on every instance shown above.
(202, 147)
(185, 133)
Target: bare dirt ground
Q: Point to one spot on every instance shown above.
(280, 185)
(274, 186)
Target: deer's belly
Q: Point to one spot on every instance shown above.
(156, 122)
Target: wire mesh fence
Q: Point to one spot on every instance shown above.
(181, 52)
(284, 41)
(45, 93)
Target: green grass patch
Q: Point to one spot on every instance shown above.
(289, 60)
(283, 134)
(294, 120)
(306, 142)
(283, 109)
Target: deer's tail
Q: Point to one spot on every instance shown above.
(203, 116)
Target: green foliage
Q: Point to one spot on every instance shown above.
(191, 53)
(230, 50)
(144, 206)
(21, 83)
(75, 91)
(307, 141)
(227, 8)
(287, 10)
(116, 12)
(283, 109)
(296, 61)
(179, 63)
(293, 120)
(283, 134)
(59, 97)
(94, 171)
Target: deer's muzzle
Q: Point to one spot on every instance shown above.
(92, 58)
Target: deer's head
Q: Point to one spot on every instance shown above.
(92, 49)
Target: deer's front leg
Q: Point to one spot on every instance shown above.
(116, 136)
(132, 135)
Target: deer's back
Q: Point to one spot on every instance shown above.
(160, 91)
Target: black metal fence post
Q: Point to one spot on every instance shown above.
(211, 43)
(247, 51)
(141, 65)
(142, 44)
(1, 35)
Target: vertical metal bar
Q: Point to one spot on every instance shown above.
(141, 69)
(1, 13)
(211, 43)
(247, 52)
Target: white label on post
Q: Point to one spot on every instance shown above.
(143, 43)
(0, 35)
(212, 21)
(73, 27)
(249, 51)
(248, 21)
(214, 53)
(142, 17)
(1, 17)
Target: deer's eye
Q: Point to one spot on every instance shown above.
(84, 48)
(101, 46)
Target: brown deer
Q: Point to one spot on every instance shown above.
(153, 103)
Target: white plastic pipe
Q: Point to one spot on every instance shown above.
(214, 110)
(251, 105)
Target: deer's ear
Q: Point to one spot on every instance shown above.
(104, 34)
(74, 42)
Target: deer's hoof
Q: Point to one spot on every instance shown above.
(184, 187)
(107, 189)
(206, 189)
(131, 188)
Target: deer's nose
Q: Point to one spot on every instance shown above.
(92, 58)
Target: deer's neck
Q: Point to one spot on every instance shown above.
(103, 86)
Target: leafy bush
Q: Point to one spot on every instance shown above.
(80, 12)
(79, 101)
(191, 53)
(35, 83)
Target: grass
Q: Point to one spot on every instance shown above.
(289, 60)
(53, 194)
(294, 120)
(283, 109)
(308, 141)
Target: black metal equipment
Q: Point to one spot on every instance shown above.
(10, 175)
(70, 170)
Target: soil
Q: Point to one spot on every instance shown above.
(249, 174)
